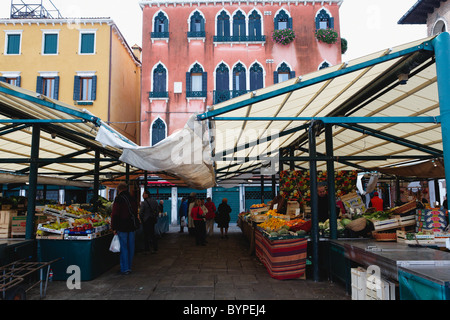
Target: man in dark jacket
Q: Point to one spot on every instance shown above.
(122, 225)
(149, 217)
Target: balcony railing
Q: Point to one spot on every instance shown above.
(196, 94)
(160, 35)
(160, 94)
(260, 38)
(224, 95)
(196, 34)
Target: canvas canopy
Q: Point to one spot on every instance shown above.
(382, 109)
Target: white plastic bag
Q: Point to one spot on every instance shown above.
(115, 244)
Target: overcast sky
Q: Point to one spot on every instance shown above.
(368, 25)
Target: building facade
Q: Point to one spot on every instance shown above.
(197, 54)
(85, 62)
(435, 14)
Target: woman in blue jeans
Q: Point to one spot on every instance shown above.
(122, 225)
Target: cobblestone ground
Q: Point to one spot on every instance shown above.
(221, 270)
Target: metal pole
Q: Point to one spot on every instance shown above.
(262, 188)
(96, 180)
(330, 181)
(314, 202)
(32, 182)
(442, 54)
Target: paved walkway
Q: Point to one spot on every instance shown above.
(221, 270)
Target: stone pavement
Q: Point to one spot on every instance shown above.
(221, 270)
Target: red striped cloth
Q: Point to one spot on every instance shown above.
(283, 259)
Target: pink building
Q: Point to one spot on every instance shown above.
(196, 54)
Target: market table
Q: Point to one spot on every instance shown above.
(91, 256)
(283, 258)
(248, 229)
(394, 259)
(424, 282)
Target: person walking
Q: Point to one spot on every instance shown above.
(182, 214)
(198, 217)
(210, 215)
(122, 224)
(223, 217)
(191, 201)
(149, 216)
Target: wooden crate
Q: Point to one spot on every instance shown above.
(6, 215)
(387, 224)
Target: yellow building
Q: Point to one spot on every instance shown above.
(85, 62)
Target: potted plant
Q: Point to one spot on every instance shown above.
(283, 36)
(327, 35)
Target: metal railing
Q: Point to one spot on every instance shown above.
(260, 38)
(224, 95)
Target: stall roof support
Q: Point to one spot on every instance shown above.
(442, 53)
(35, 141)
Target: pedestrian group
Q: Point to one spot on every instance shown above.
(195, 214)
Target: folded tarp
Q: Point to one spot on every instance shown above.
(185, 154)
(429, 169)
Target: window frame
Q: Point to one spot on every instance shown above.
(159, 95)
(44, 34)
(196, 69)
(160, 35)
(80, 42)
(78, 83)
(160, 120)
(11, 33)
(9, 76)
(322, 14)
(281, 14)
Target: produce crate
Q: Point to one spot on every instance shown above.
(6, 215)
(385, 224)
(50, 236)
(406, 207)
(406, 220)
(258, 218)
(41, 227)
(259, 210)
(385, 236)
(18, 226)
(359, 279)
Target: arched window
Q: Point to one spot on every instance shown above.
(239, 80)
(222, 92)
(324, 20)
(239, 33)
(254, 26)
(158, 131)
(283, 73)
(196, 26)
(196, 82)
(256, 77)
(282, 21)
(223, 26)
(161, 24)
(159, 82)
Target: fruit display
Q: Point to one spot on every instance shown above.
(83, 228)
(260, 205)
(76, 211)
(274, 225)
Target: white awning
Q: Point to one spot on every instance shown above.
(395, 120)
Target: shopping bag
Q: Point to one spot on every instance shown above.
(183, 221)
(115, 244)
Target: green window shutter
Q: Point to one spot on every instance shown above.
(2, 79)
(87, 42)
(76, 88)
(50, 44)
(39, 85)
(94, 88)
(56, 96)
(13, 44)
(188, 82)
(18, 81)
(275, 77)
